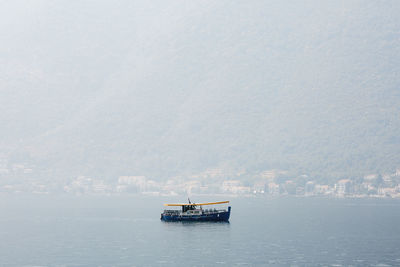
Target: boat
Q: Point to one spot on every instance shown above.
(194, 212)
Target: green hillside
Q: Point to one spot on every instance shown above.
(161, 89)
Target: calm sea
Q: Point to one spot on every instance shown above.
(126, 231)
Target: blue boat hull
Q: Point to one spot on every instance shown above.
(210, 217)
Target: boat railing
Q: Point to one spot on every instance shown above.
(171, 212)
(207, 211)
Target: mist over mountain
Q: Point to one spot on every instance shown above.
(164, 88)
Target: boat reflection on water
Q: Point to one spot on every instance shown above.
(194, 212)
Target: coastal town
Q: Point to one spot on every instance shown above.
(19, 178)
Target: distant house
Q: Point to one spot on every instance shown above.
(290, 187)
(273, 189)
(322, 189)
(370, 177)
(259, 187)
(235, 187)
(309, 188)
(133, 183)
(344, 187)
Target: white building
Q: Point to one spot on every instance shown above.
(344, 187)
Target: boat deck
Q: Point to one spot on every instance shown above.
(196, 215)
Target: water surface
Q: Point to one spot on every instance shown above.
(127, 231)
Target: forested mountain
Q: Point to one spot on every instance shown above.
(163, 88)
